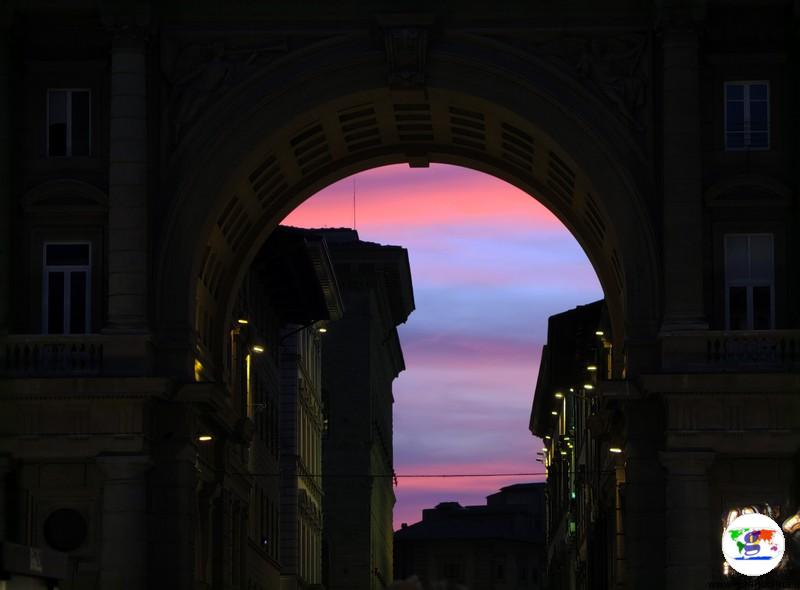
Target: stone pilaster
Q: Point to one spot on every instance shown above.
(688, 529)
(175, 528)
(643, 513)
(124, 542)
(682, 168)
(127, 190)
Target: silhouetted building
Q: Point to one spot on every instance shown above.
(274, 536)
(582, 437)
(308, 295)
(499, 546)
(361, 358)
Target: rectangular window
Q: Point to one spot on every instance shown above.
(746, 115)
(749, 282)
(69, 122)
(66, 288)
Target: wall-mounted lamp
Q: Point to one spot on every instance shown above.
(554, 413)
(242, 321)
(257, 348)
(547, 437)
(588, 386)
(559, 395)
(322, 330)
(615, 450)
(599, 333)
(205, 438)
(591, 368)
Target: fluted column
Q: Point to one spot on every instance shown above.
(689, 528)
(124, 542)
(682, 174)
(127, 216)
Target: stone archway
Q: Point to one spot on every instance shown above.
(302, 124)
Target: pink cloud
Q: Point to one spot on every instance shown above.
(444, 198)
(453, 350)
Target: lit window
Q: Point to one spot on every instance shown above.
(69, 127)
(746, 115)
(749, 282)
(66, 288)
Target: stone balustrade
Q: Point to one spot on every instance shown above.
(38, 355)
(75, 355)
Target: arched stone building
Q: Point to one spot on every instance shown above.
(168, 140)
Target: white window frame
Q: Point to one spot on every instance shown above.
(749, 284)
(69, 92)
(745, 84)
(67, 270)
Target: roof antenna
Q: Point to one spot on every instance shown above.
(354, 203)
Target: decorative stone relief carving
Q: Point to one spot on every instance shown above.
(406, 38)
(198, 74)
(617, 66)
(406, 52)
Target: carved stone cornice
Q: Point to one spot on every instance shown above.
(687, 463)
(406, 39)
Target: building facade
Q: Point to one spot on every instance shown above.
(498, 546)
(582, 446)
(254, 525)
(148, 150)
(361, 358)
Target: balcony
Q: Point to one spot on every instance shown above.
(59, 355)
(751, 351)
(75, 355)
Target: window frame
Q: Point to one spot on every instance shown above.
(69, 92)
(746, 84)
(67, 269)
(750, 283)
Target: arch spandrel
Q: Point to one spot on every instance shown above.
(279, 151)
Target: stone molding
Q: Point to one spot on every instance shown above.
(124, 467)
(687, 463)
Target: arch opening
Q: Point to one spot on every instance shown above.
(258, 172)
(486, 276)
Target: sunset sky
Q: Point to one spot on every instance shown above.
(489, 265)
